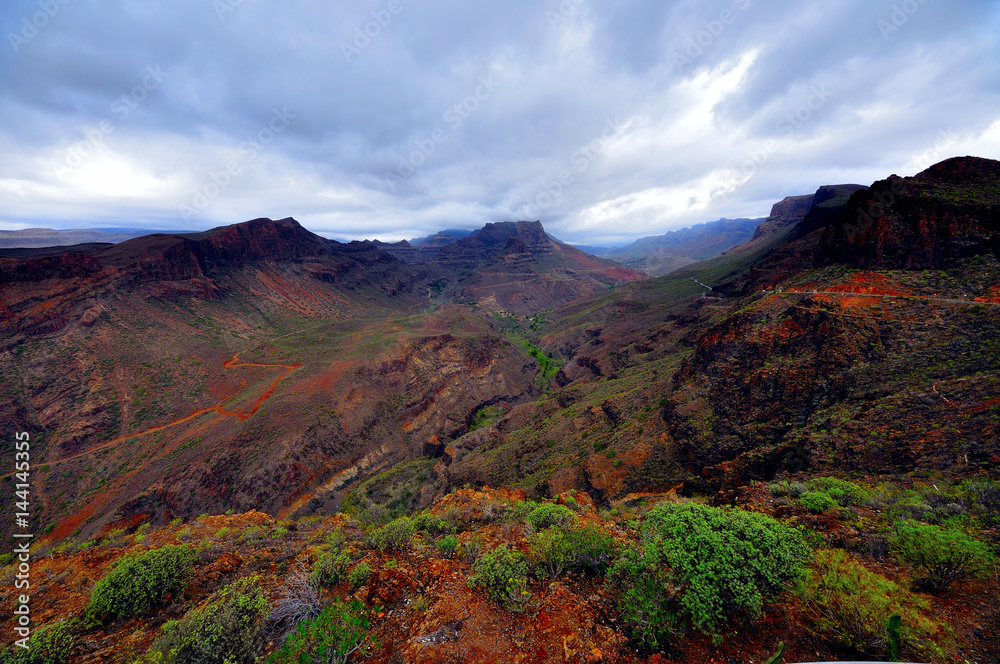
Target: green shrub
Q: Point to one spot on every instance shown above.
(943, 555)
(722, 562)
(448, 546)
(434, 526)
(518, 511)
(649, 600)
(336, 539)
(852, 606)
(394, 536)
(817, 501)
(786, 488)
(50, 644)
(551, 551)
(548, 515)
(587, 549)
(340, 630)
(138, 582)
(227, 630)
(330, 569)
(844, 492)
(502, 574)
(359, 576)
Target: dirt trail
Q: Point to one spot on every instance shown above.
(217, 409)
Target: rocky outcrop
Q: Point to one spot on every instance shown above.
(945, 214)
(518, 267)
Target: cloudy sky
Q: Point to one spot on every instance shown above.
(606, 119)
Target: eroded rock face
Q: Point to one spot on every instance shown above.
(945, 214)
(43, 289)
(518, 267)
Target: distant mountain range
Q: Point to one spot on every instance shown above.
(47, 237)
(386, 353)
(662, 254)
(259, 367)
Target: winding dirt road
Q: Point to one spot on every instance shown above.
(217, 409)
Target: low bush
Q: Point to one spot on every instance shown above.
(50, 644)
(336, 539)
(548, 515)
(851, 606)
(448, 546)
(844, 492)
(359, 576)
(502, 574)
(942, 555)
(138, 582)
(227, 630)
(557, 550)
(338, 632)
(721, 562)
(786, 488)
(434, 526)
(817, 501)
(330, 569)
(394, 536)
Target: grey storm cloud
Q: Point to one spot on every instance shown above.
(395, 118)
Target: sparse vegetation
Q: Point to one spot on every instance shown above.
(851, 606)
(943, 555)
(339, 631)
(394, 536)
(226, 630)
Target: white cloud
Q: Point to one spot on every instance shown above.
(679, 161)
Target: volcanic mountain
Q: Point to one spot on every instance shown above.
(261, 365)
(518, 267)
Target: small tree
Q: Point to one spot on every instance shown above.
(330, 569)
(701, 565)
(944, 555)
